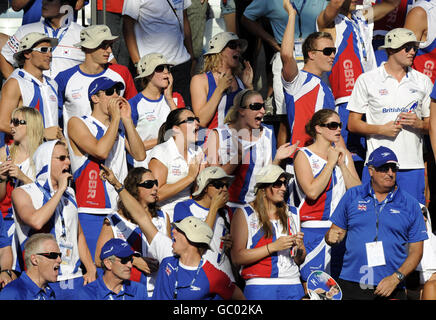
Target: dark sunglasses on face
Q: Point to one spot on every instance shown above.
(162, 67)
(327, 51)
(126, 260)
(189, 120)
(63, 157)
(16, 122)
(148, 184)
(332, 125)
(279, 184)
(218, 184)
(105, 45)
(385, 168)
(254, 106)
(51, 255)
(409, 47)
(233, 44)
(111, 91)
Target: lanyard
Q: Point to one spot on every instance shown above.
(381, 207)
(299, 12)
(176, 286)
(357, 30)
(54, 32)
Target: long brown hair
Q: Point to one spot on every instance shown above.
(259, 207)
(131, 184)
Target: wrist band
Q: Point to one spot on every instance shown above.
(119, 189)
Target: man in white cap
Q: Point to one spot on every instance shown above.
(96, 43)
(184, 273)
(56, 24)
(101, 138)
(28, 86)
(209, 203)
(396, 102)
(161, 27)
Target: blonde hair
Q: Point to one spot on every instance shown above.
(239, 100)
(212, 63)
(34, 131)
(33, 245)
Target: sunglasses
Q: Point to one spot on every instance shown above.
(162, 67)
(254, 106)
(105, 45)
(327, 51)
(43, 49)
(332, 125)
(409, 47)
(62, 157)
(126, 260)
(16, 122)
(51, 255)
(148, 184)
(385, 168)
(218, 184)
(279, 184)
(233, 44)
(189, 120)
(111, 91)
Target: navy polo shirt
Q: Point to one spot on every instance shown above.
(23, 288)
(97, 290)
(400, 222)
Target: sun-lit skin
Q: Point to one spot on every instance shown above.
(328, 134)
(252, 118)
(147, 196)
(18, 132)
(274, 194)
(47, 269)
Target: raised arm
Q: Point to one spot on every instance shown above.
(380, 10)
(134, 143)
(130, 38)
(327, 16)
(290, 69)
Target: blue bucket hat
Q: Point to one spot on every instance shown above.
(381, 156)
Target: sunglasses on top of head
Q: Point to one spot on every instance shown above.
(148, 184)
(332, 125)
(327, 51)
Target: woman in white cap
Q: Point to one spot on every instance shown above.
(141, 184)
(267, 243)
(213, 90)
(151, 106)
(243, 146)
(16, 164)
(323, 171)
(184, 274)
(176, 160)
(209, 203)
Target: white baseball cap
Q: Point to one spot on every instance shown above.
(149, 62)
(218, 42)
(29, 41)
(91, 37)
(208, 174)
(397, 37)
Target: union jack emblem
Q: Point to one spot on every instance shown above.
(361, 207)
(168, 270)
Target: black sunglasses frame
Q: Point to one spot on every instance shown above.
(385, 168)
(327, 51)
(148, 184)
(16, 122)
(189, 120)
(51, 255)
(332, 125)
(254, 106)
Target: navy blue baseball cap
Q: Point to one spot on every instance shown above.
(118, 248)
(381, 156)
(103, 83)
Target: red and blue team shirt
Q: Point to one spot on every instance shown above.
(425, 59)
(324, 205)
(304, 96)
(226, 101)
(279, 264)
(203, 282)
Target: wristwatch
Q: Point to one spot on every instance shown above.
(8, 271)
(399, 275)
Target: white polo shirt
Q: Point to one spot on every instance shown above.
(381, 98)
(158, 29)
(178, 168)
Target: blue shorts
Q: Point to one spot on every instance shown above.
(91, 225)
(274, 292)
(412, 181)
